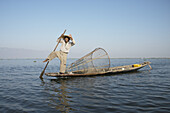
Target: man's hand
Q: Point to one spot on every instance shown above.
(62, 36)
(71, 36)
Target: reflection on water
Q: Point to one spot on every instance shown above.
(66, 93)
(86, 92)
(58, 95)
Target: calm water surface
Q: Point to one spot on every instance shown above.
(22, 91)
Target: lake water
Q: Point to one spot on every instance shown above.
(21, 90)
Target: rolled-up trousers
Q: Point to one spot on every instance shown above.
(62, 56)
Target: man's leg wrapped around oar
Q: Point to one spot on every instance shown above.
(62, 56)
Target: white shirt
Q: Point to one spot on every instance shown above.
(65, 47)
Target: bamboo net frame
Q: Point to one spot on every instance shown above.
(91, 63)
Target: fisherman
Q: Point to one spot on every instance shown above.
(64, 50)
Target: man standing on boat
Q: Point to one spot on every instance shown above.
(64, 50)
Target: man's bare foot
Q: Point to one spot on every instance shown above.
(46, 60)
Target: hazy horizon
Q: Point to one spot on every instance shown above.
(19, 53)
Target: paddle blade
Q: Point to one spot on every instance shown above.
(42, 73)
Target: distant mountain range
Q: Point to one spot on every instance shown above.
(19, 53)
(16, 53)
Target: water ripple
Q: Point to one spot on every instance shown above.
(145, 91)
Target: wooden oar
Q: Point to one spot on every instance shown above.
(42, 73)
(150, 66)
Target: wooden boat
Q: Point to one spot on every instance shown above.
(110, 71)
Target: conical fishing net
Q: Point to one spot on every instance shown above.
(95, 62)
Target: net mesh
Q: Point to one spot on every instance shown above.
(95, 62)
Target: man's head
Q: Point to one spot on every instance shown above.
(66, 38)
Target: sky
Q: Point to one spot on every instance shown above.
(124, 28)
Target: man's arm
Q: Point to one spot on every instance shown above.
(73, 41)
